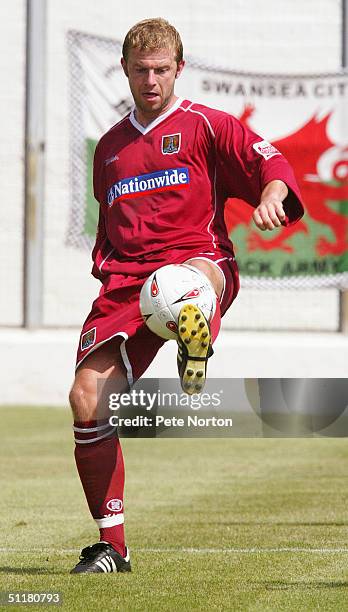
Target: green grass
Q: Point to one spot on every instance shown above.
(211, 496)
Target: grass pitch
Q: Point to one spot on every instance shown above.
(229, 524)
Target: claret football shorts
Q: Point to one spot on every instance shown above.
(116, 312)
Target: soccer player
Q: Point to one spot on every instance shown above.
(161, 177)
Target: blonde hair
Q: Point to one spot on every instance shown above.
(153, 34)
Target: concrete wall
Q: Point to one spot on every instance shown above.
(12, 70)
(39, 365)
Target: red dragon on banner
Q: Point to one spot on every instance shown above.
(305, 150)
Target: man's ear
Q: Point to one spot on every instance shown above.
(180, 68)
(124, 66)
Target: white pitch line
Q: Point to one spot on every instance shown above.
(243, 550)
(203, 551)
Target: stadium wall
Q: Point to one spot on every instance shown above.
(257, 36)
(12, 70)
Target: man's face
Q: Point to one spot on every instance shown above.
(151, 76)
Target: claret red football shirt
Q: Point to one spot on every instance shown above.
(163, 187)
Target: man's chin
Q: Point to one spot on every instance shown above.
(153, 109)
(154, 105)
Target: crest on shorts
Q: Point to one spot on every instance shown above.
(88, 338)
(171, 144)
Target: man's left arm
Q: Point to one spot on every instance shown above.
(270, 213)
(256, 172)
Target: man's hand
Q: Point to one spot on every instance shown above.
(270, 212)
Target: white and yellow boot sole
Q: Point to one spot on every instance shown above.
(194, 348)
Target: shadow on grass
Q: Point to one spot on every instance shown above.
(30, 571)
(305, 586)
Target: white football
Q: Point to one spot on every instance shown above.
(167, 290)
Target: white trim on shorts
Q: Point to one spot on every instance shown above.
(127, 364)
(216, 264)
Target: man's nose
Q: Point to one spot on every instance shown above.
(151, 77)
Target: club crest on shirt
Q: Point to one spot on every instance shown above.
(171, 144)
(88, 338)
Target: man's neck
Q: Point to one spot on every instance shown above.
(146, 118)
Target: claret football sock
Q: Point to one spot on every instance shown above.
(99, 462)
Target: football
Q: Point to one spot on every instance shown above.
(167, 290)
